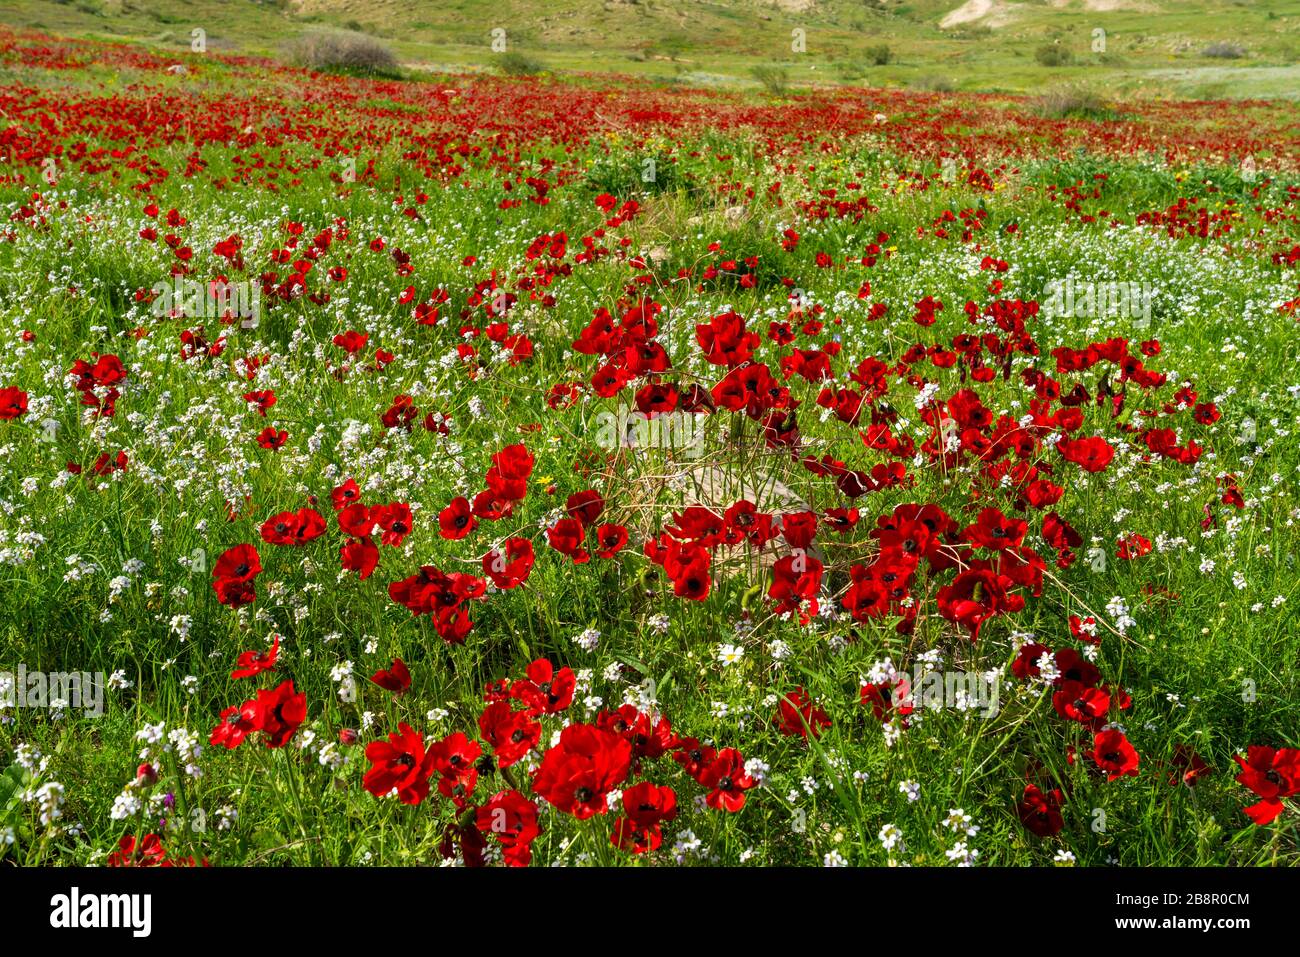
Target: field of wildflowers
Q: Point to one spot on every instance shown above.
(509, 471)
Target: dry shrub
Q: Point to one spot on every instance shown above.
(341, 52)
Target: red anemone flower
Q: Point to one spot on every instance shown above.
(283, 711)
(252, 663)
(395, 678)
(401, 764)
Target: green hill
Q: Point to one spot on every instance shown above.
(1203, 48)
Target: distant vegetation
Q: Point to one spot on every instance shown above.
(350, 53)
(514, 63)
(1225, 51)
(1136, 47)
(775, 79)
(1073, 102)
(1050, 54)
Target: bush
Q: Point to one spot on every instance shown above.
(1224, 51)
(934, 84)
(1049, 54)
(646, 175)
(775, 79)
(514, 63)
(1073, 102)
(879, 55)
(350, 53)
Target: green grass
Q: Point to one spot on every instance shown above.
(1154, 49)
(1198, 642)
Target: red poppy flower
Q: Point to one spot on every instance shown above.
(975, 596)
(395, 678)
(610, 539)
(567, 537)
(512, 819)
(235, 592)
(545, 690)
(693, 756)
(401, 413)
(507, 479)
(106, 465)
(1273, 775)
(885, 698)
(241, 561)
(797, 714)
(283, 710)
(233, 575)
(13, 403)
(511, 734)
(1114, 755)
(293, 528)
(727, 780)
(1189, 767)
(487, 507)
(866, 598)
(351, 341)
(842, 520)
(649, 738)
(725, 340)
(1133, 546)
(359, 555)
(799, 528)
(399, 764)
(1085, 629)
(263, 400)
(1075, 667)
(995, 531)
(578, 773)
(1042, 493)
(646, 806)
(796, 580)
(272, 438)
(345, 494)
(150, 853)
(744, 521)
(455, 759)
(251, 663)
(1040, 811)
(585, 506)
(1080, 703)
(355, 520)
(1091, 455)
(509, 565)
(395, 520)
(691, 580)
(456, 520)
(1059, 533)
(235, 724)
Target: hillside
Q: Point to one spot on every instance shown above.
(1154, 46)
